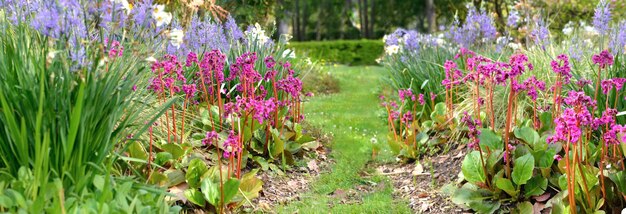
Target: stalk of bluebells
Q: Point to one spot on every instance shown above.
(232, 30)
(602, 17)
(540, 34)
(513, 19)
(618, 39)
(576, 51)
(478, 24)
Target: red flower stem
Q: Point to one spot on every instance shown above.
(182, 120)
(507, 129)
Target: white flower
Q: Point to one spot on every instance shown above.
(287, 53)
(392, 49)
(308, 61)
(591, 30)
(257, 33)
(159, 14)
(150, 59)
(514, 46)
(286, 37)
(176, 37)
(568, 30)
(128, 7)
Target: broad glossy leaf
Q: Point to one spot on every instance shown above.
(535, 186)
(173, 148)
(524, 207)
(619, 179)
(231, 187)
(472, 168)
(210, 191)
(489, 139)
(486, 207)
(527, 134)
(195, 197)
(507, 186)
(195, 170)
(544, 158)
(523, 169)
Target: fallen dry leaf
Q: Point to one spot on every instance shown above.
(312, 164)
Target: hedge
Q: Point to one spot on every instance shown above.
(349, 52)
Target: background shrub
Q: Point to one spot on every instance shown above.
(349, 52)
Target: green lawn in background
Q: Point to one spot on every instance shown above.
(352, 116)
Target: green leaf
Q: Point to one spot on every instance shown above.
(507, 186)
(98, 182)
(545, 158)
(489, 139)
(486, 207)
(472, 168)
(136, 151)
(174, 149)
(278, 145)
(546, 121)
(523, 169)
(195, 197)
(535, 186)
(231, 187)
(465, 195)
(619, 179)
(527, 134)
(210, 191)
(162, 158)
(524, 207)
(438, 115)
(195, 170)
(174, 177)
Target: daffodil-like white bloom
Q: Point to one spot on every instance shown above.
(289, 54)
(392, 49)
(127, 7)
(176, 37)
(150, 59)
(257, 33)
(569, 28)
(159, 14)
(514, 45)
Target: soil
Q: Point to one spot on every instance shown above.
(421, 184)
(282, 188)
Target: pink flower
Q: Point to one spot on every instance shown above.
(604, 59)
(210, 138)
(421, 99)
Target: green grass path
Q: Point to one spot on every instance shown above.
(351, 116)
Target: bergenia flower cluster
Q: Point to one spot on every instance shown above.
(474, 126)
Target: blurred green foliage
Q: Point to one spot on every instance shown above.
(350, 52)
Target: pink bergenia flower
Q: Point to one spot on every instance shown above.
(604, 59)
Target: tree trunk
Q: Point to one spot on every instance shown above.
(366, 19)
(283, 21)
(361, 18)
(305, 18)
(477, 3)
(500, 19)
(430, 16)
(344, 13)
(372, 19)
(296, 21)
(318, 26)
